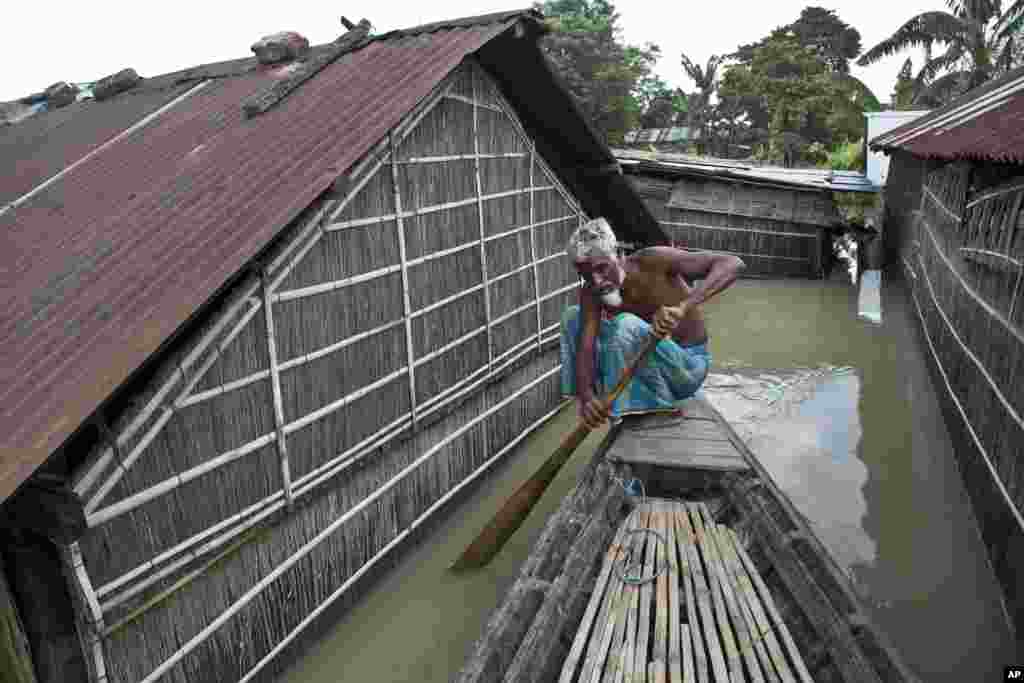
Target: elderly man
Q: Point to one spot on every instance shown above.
(621, 300)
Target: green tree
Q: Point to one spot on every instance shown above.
(699, 107)
(903, 95)
(978, 36)
(832, 40)
(610, 81)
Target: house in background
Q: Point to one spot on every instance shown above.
(262, 320)
(877, 123)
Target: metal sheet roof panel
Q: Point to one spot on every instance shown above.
(103, 265)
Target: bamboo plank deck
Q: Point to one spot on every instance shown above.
(705, 617)
(692, 439)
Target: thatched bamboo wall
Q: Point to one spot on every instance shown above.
(776, 231)
(965, 262)
(394, 344)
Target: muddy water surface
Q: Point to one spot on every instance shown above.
(844, 415)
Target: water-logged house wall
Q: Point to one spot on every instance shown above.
(775, 230)
(964, 259)
(399, 339)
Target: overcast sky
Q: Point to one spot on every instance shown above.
(84, 41)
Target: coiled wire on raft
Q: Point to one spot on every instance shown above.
(626, 563)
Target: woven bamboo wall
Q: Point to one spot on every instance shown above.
(775, 231)
(965, 262)
(400, 338)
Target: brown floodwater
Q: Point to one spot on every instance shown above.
(863, 453)
(843, 414)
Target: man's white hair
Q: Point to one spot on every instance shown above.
(593, 238)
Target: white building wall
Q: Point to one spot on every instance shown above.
(878, 123)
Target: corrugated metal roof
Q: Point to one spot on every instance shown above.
(985, 124)
(797, 178)
(103, 264)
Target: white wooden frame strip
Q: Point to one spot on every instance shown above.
(287, 564)
(275, 385)
(333, 407)
(123, 134)
(513, 272)
(89, 478)
(741, 253)
(325, 287)
(87, 610)
(472, 101)
(410, 352)
(104, 515)
(989, 252)
(341, 590)
(461, 157)
(337, 346)
(447, 300)
(225, 388)
(359, 222)
(1016, 293)
(124, 465)
(938, 202)
(533, 243)
(449, 346)
(465, 246)
(967, 287)
(956, 399)
(730, 229)
(480, 218)
(219, 348)
(996, 193)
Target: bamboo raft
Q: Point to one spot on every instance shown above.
(677, 559)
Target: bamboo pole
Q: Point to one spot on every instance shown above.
(461, 157)
(275, 384)
(324, 287)
(410, 352)
(248, 596)
(533, 244)
(480, 218)
(472, 101)
(86, 606)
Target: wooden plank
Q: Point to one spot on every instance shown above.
(583, 632)
(765, 641)
(643, 637)
(675, 664)
(703, 596)
(716, 455)
(732, 651)
(684, 429)
(769, 605)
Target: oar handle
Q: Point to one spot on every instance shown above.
(511, 515)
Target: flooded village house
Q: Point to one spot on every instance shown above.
(955, 226)
(264, 318)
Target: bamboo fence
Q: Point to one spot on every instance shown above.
(776, 231)
(394, 344)
(965, 263)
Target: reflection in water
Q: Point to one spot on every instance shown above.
(864, 454)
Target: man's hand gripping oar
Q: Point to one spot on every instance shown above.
(511, 515)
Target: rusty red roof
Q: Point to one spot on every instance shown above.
(160, 204)
(986, 123)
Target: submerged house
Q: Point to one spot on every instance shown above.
(954, 221)
(262, 320)
(777, 220)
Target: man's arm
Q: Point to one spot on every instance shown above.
(716, 272)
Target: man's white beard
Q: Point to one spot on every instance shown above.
(612, 298)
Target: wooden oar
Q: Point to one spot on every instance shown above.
(511, 515)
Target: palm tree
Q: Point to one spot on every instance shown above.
(706, 79)
(978, 36)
